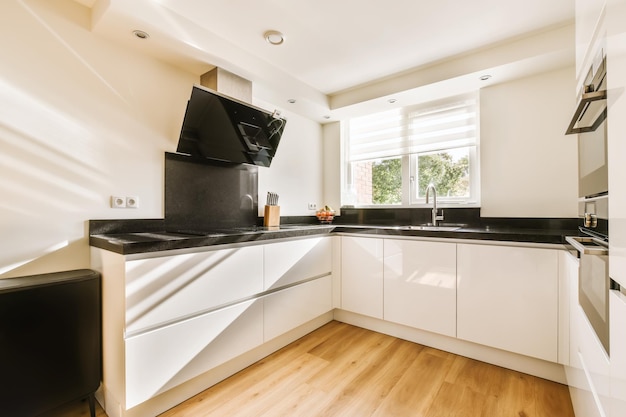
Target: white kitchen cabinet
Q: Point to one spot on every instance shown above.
(171, 318)
(589, 14)
(289, 308)
(568, 276)
(159, 290)
(618, 354)
(420, 285)
(616, 130)
(596, 367)
(289, 262)
(159, 360)
(507, 298)
(362, 275)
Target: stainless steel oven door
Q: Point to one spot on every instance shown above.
(594, 284)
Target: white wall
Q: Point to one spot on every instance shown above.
(296, 171)
(81, 119)
(528, 166)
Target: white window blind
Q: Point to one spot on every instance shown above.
(448, 125)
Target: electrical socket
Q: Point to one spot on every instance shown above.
(312, 206)
(118, 202)
(132, 202)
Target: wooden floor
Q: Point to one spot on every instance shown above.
(342, 370)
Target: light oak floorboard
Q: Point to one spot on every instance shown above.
(341, 370)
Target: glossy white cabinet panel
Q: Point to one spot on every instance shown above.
(420, 285)
(362, 275)
(293, 261)
(162, 359)
(507, 298)
(589, 15)
(568, 276)
(616, 98)
(159, 290)
(289, 308)
(618, 354)
(595, 364)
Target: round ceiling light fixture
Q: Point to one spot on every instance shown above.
(274, 37)
(391, 100)
(484, 77)
(291, 101)
(141, 34)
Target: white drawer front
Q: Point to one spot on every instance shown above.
(289, 308)
(162, 359)
(159, 290)
(289, 262)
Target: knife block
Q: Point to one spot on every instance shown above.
(272, 216)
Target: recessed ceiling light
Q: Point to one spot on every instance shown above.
(291, 100)
(484, 77)
(391, 100)
(274, 37)
(326, 117)
(141, 34)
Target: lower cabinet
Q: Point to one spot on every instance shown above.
(159, 360)
(507, 297)
(362, 275)
(289, 308)
(618, 353)
(420, 285)
(172, 317)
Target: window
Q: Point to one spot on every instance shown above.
(391, 157)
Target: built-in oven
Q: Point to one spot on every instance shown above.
(594, 283)
(592, 244)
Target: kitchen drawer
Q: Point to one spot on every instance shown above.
(289, 308)
(164, 289)
(293, 261)
(159, 360)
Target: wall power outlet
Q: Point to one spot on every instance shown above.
(124, 202)
(312, 206)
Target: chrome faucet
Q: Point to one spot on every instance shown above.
(435, 216)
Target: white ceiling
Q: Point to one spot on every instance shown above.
(333, 48)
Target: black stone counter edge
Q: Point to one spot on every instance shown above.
(123, 243)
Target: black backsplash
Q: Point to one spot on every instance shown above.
(204, 195)
(468, 217)
(406, 216)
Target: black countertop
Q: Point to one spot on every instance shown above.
(153, 239)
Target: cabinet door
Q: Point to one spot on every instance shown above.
(618, 352)
(507, 297)
(568, 282)
(289, 308)
(616, 127)
(159, 360)
(362, 275)
(420, 285)
(159, 290)
(293, 261)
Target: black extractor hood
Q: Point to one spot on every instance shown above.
(221, 128)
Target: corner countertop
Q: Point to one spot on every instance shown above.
(126, 243)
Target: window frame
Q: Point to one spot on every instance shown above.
(409, 166)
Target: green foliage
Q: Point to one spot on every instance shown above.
(387, 182)
(448, 176)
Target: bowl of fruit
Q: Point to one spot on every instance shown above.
(325, 215)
